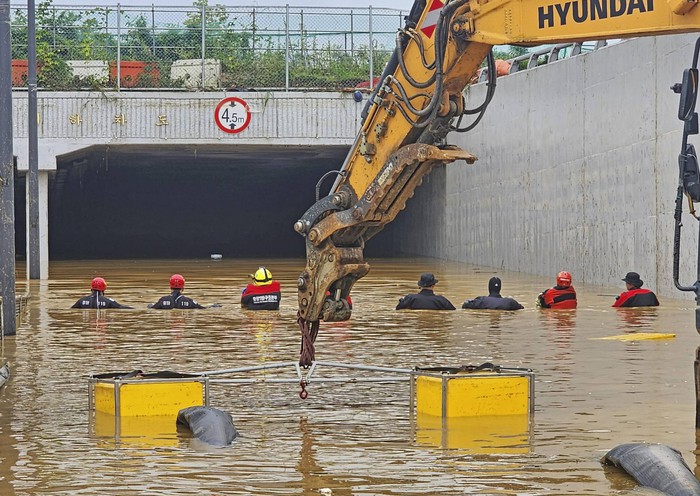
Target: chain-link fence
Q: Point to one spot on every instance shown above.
(207, 47)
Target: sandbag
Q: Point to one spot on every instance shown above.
(208, 424)
(655, 465)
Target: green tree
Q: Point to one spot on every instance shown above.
(507, 52)
(139, 40)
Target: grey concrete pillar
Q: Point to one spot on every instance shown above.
(41, 230)
(44, 224)
(7, 196)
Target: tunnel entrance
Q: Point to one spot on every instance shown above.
(183, 202)
(187, 202)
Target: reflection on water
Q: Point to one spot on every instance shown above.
(486, 435)
(357, 438)
(640, 319)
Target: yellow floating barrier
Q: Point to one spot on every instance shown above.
(485, 409)
(640, 336)
(145, 395)
(473, 391)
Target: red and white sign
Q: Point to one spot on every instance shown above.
(232, 115)
(432, 18)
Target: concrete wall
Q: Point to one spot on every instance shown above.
(71, 121)
(577, 170)
(421, 229)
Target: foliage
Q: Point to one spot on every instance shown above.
(507, 52)
(249, 59)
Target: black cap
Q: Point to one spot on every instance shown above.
(426, 280)
(495, 285)
(633, 279)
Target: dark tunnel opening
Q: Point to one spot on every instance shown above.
(187, 202)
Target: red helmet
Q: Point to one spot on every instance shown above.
(177, 281)
(564, 279)
(98, 284)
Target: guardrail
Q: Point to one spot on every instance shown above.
(542, 56)
(21, 302)
(204, 47)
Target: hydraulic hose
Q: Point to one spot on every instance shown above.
(402, 62)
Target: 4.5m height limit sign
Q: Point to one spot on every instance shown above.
(232, 115)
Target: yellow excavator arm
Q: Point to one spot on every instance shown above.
(418, 101)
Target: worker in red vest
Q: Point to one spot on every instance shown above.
(263, 293)
(635, 296)
(563, 295)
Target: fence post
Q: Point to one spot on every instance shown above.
(252, 56)
(204, 41)
(119, 46)
(153, 30)
(53, 14)
(254, 26)
(286, 49)
(352, 35)
(371, 52)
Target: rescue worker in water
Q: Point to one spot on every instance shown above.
(426, 299)
(176, 299)
(563, 295)
(494, 301)
(635, 296)
(263, 293)
(97, 298)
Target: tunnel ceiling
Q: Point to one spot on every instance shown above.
(181, 202)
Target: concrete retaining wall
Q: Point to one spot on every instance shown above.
(577, 170)
(71, 121)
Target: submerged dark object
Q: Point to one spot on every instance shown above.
(4, 373)
(655, 465)
(208, 424)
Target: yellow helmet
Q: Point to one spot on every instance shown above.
(262, 277)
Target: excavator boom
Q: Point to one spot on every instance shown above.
(418, 101)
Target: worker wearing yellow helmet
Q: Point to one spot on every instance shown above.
(263, 293)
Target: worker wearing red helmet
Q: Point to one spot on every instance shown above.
(176, 299)
(563, 295)
(97, 298)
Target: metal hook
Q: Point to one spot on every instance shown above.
(303, 394)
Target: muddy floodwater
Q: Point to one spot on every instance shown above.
(345, 438)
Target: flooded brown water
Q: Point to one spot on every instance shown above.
(590, 394)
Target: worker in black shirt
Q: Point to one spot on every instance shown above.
(494, 301)
(176, 299)
(97, 299)
(426, 299)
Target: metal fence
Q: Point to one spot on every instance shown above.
(207, 47)
(21, 302)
